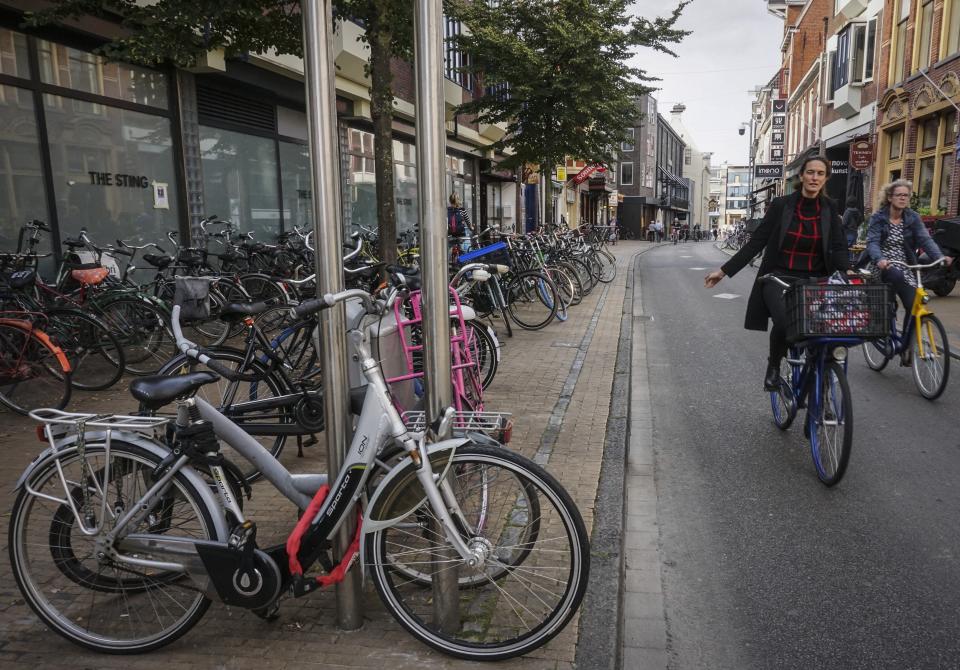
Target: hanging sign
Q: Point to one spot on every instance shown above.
(585, 173)
(776, 138)
(561, 173)
(778, 106)
(861, 155)
(779, 122)
(776, 154)
(768, 171)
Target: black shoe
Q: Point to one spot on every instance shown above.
(771, 381)
(906, 357)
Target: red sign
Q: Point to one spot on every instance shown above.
(585, 173)
(861, 155)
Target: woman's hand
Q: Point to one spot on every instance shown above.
(713, 278)
(948, 260)
(883, 263)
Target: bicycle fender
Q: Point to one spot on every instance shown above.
(369, 524)
(65, 446)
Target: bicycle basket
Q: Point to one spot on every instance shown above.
(838, 310)
(193, 296)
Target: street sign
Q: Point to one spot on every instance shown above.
(768, 171)
(778, 106)
(861, 155)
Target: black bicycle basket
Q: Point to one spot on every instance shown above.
(838, 310)
(193, 296)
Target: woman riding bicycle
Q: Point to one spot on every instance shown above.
(895, 233)
(802, 237)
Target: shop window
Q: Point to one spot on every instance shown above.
(13, 54)
(22, 194)
(109, 167)
(296, 185)
(81, 71)
(948, 161)
(925, 181)
(924, 31)
(405, 186)
(240, 180)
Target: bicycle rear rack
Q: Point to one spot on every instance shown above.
(498, 425)
(57, 425)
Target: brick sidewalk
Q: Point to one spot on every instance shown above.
(556, 382)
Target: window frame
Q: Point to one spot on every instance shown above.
(942, 149)
(950, 28)
(897, 68)
(917, 62)
(632, 144)
(620, 179)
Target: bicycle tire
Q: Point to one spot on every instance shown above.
(34, 372)
(271, 383)
(931, 371)
(831, 423)
(490, 628)
(583, 273)
(571, 272)
(783, 404)
(608, 264)
(876, 359)
(485, 348)
(74, 581)
(95, 353)
(142, 329)
(526, 290)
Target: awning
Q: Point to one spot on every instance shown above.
(672, 178)
(848, 135)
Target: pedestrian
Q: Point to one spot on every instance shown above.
(802, 237)
(716, 233)
(852, 218)
(458, 219)
(894, 233)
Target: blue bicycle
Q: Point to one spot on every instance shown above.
(826, 320)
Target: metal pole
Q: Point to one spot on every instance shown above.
(431, 147)
(328, 241)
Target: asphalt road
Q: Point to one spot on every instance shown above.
(763, 566)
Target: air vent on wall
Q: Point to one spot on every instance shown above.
(215, 107)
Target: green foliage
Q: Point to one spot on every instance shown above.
(572, 90)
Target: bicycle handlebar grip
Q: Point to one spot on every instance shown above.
(313, 305)
(222, 370)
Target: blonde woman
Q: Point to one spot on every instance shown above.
(894, 233)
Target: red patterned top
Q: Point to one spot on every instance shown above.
(802, 249)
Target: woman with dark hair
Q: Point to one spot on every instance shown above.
(801, 237)
(852, 218)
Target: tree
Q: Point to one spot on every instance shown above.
(570, 90)
(181, 31)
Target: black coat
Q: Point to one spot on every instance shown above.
(769, 236)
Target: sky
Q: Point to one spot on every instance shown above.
(734, 47)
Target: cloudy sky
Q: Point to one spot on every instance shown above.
(735, 46)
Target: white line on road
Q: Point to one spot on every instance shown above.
(698, 269)
(726, 296)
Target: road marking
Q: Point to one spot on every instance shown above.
(682, 256)
(698, 269)
(726, 296)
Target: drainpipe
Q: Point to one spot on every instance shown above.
(824, 82)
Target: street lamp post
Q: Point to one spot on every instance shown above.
(750, 155)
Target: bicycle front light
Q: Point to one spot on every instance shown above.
(840, 354)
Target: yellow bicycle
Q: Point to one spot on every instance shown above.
(926, 345)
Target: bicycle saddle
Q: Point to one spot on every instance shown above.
(21, 278)
(157, 391)
(90, 276)
(158, 261)
(238, 310)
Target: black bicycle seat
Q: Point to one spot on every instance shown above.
(238, 310)
(158, 261)
(157, 391)
(21, 278)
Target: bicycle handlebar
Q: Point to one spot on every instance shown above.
(939, 261)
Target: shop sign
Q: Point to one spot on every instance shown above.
(776, 154)
(561, 173)
(117, 179)
(585, 173)
(839, 167)
(161, 197)
(861, 155)
(779, 121)
(769, 171)
(613, 200)
(776, 138)
(778, 106)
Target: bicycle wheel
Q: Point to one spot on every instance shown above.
(783, 403)
(531, 300)
(574, 277)
(875, 354)
(931, 358)
(34, 372)
(529, 584)
(95, 354)
(831, 423)
(587, 279)
(101, 603)
(142, 330)
(564, 284)
(608, 266)
(236, 401)
(485, 349)
(263, 289)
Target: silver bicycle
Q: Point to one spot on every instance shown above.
(125, 528)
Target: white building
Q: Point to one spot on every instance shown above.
(696, 168)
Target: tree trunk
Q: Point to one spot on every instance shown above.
(546, 171)
(381, 106)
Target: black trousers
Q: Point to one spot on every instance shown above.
(776, 305)
(894, 276)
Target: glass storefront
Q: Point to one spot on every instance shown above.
(240, 180)
(297, 189)
(110, 168)
(22, 194)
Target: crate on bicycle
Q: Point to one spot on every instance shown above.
(838, 310)
(492, 254)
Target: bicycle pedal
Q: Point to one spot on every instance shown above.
(269, 613)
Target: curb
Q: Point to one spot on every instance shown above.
(601, 637)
